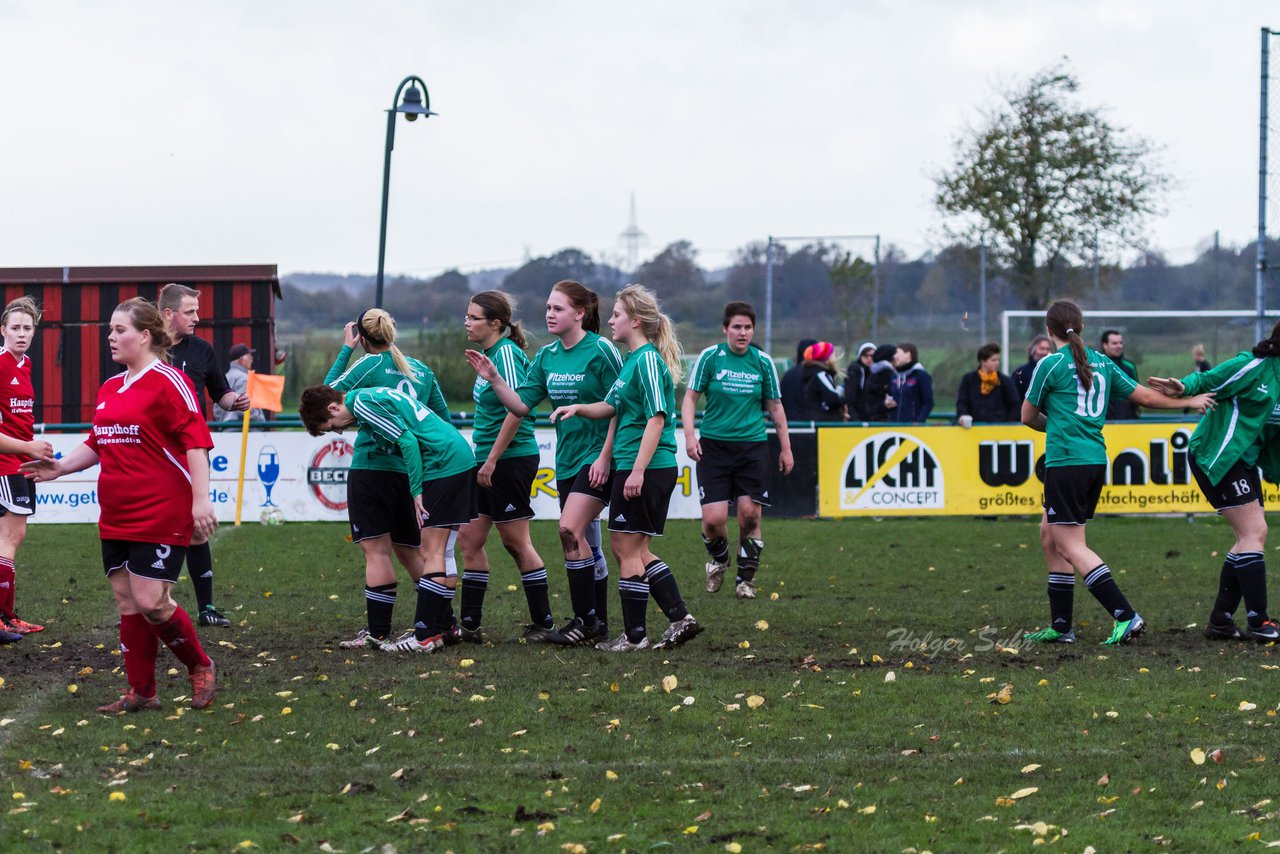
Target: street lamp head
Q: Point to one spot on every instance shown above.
(411, 105)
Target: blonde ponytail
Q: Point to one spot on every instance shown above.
(642, 305)
(378, 329)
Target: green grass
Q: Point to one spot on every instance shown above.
(526, 736)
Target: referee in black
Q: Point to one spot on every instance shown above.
(194, 356)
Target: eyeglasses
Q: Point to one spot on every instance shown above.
(475, 319)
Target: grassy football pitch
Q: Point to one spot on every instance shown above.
(875, 697)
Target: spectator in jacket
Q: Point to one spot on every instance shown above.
(1197, 356)
(792, 384)
(241, 362)
(1040, 347)
(1119, 408)
(879, 394)
(823, 397)
(856, 381)
(987, 396)
(913, 389)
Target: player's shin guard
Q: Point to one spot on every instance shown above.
(535, 593)
(7, 583)
(1251, 572)
(582, 588)
(1229, 592)
(433, 601)
(635, 601)
(749, 549)
(1107, 592)
(200, 568)
(717, 548)
(474, 584)
(665, 591)
(597, 552)
(379, 603)
(450, 559)
(1062, 591)
(138, 646)
(179, 635)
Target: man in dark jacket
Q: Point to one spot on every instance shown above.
(1040, 347)
(791, 386)
(855, 383)
(1119, 408)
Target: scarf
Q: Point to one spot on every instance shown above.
(990, 381)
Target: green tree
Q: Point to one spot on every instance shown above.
(1041, 176)
(533, 281)
(852, 280)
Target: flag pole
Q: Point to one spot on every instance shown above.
(244, 450)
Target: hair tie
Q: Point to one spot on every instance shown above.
(1070, 331)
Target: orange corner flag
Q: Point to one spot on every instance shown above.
(266, 391)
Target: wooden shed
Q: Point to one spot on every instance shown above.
(70, 357)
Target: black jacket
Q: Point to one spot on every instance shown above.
(1001, 405)
(822, 399)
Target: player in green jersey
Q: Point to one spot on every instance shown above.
(507, 454)
(440, 467)
(1067, 400)
(642, 405)
(732, 448)
(379, 504)
(1227, 449)
(578, 367)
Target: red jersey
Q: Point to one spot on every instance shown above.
(17, 398)
(142, 430)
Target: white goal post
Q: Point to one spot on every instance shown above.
(1005, 316)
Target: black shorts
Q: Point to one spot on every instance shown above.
(729, 470)
(581, 482)
(156, 561)
(450, 500)
(646, 513)
(379, 504)
(1238, 487)
(1071, 493)
(17, 495)
(510, 497)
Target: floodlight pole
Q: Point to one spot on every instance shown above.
(982, 286)
(768, 279)
(1259, 282)
(414, 105)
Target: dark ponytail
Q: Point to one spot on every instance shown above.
(1065, 322)
(1268, 346)
(500, 306)
(584, 299)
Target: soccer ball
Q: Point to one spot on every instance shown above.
(272, 516)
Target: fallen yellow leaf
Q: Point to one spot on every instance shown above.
(755, 701)
(1027, 769)
(669, 683)
(1023, 793)
(117, 796)
(466, 662)
(868, 810)
(286, 711)
(610, 775)
(595, 805)
(72, 688)
(762, 625)
(1197, 756)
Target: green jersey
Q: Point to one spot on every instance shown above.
(643, 389)
(378, 370)
(1246, 393)
(735, 387)
(512, 365)
(1075, 415)
(430, 446)
(582, 373)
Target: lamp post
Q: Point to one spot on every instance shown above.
(416, 103)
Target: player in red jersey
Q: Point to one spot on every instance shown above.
(17, 494)
(153, 445)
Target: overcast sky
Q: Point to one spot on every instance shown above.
(252, 132)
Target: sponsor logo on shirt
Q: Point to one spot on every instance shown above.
(565, 378)
(21, 404)
(117, 434)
